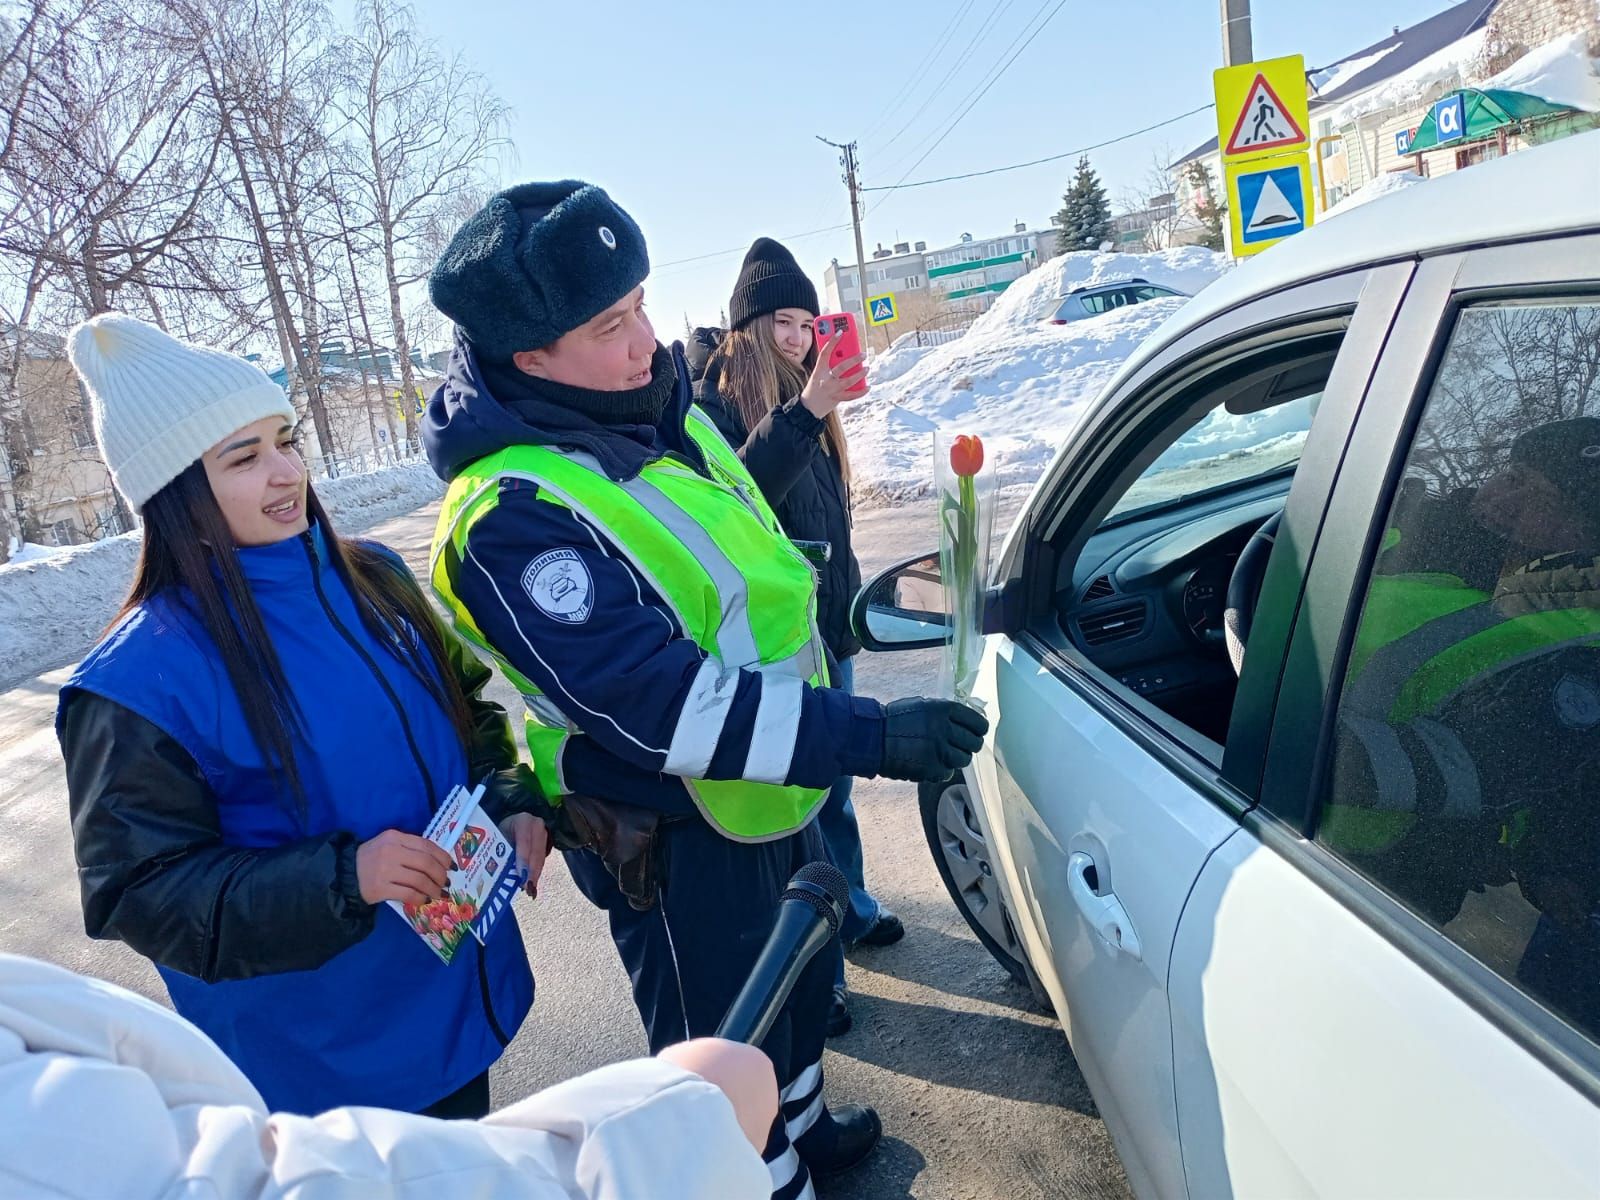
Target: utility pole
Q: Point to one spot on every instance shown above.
(847, 159)
(1236, 33)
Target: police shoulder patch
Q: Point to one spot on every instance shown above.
(560, 586)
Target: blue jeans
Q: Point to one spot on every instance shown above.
(842, 837)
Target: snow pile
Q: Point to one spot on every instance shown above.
(1014, 378)
(898, 359)
(54, 601)
(358, 501)
(1560, 71)
(1383, 185)
(1443, 68)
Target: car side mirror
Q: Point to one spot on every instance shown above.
(902, 608)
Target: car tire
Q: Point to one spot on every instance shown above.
(961, 855)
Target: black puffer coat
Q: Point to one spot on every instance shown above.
(802, 482)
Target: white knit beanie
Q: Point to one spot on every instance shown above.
(159, 403)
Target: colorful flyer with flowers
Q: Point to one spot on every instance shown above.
(484, 879)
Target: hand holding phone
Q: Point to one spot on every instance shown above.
(839, 374)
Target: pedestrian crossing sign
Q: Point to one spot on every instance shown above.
(1262, 107)
(1269, 199)
(881, 310)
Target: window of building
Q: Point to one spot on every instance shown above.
(1469, 156)
(64, 533)
(1465, 776)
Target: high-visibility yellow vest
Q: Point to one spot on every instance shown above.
(715, 552)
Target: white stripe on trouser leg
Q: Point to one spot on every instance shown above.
(797, 1127)
(802, 1084)
(790, 1178)
(776, 730)
(700, 720)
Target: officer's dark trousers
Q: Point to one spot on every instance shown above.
(690, 954)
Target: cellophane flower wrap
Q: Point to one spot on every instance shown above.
(966, 520)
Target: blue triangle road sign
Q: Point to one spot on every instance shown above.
(1272, 204)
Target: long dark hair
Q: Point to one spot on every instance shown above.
(188, 546)
(754, 374)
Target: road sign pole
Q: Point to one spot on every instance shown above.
(1236, 33)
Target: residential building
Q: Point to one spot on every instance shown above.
(901, 271)
(60, 489)
(361, 394)
(975, 270)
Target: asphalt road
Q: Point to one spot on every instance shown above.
(978, 1091)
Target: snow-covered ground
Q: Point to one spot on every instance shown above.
(1015, 379)
(54, 601)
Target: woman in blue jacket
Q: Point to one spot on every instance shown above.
(256, 744)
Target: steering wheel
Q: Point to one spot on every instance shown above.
(1244, 589)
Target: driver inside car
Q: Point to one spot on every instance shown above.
(1472, 713)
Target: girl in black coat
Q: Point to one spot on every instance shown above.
(776, 402)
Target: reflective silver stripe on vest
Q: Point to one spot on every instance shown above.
(777, 728)
(545, 712)
(735, 636)
(700, 721)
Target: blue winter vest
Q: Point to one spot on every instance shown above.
(385, 1023)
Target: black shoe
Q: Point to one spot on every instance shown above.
(841, 1140)
(885, 930)
(839, 1020)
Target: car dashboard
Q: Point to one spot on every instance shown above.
(1145, 600)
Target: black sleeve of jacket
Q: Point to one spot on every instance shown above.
(778, 451)
(155, 874)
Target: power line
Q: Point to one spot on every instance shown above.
(910, 86)
(1052, 158)
(993, 79)
(788, 237)
(962, 58)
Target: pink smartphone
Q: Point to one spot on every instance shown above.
(837, 337)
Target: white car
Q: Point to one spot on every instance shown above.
(1291, 806)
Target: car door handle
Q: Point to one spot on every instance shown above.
(1104, 913)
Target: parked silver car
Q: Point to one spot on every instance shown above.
(1084, 302)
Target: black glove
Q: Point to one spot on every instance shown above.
(928, 740)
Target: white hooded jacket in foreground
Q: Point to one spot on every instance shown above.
(104, 1094)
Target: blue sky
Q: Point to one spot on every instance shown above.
(700, 118)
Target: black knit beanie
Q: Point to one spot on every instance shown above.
(770, 279)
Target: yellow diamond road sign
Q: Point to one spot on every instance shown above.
(1269, 199)
(1262, 108)
(881, 310)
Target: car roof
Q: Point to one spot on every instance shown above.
(1090, 288)
(1549, 189)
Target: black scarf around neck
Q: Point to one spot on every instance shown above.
(637, 406)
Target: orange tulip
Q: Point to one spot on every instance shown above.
(966, 455)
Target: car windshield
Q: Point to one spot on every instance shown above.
(1223, 450)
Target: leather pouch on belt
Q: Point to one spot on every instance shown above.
(623, 835)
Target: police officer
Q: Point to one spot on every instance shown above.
(605, 544)
(1470, 753)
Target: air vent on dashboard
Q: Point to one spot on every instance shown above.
(1114, 623)
(1099, 589)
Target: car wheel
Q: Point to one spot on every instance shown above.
(961, 853)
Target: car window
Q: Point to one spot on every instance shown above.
(1224, 449)
(1095, 302)
(1465, 776)
(1150, 291)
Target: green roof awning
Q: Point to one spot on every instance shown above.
(1487, 113)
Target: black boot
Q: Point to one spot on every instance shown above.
(842, 1139)
(839, 1021)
